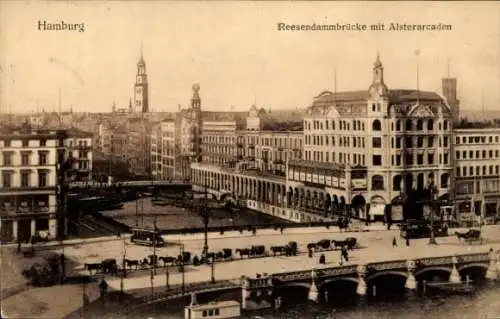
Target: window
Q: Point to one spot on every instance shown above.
(430, 142)
(430, 158)
(25, 143)
(408, 125)
(376, 126)
(420, 142)
(205, 313)
(25, 178)
(457, 154)
(408, 142)
(445, 125)
(398, 125)
(25, 158)
(377, 182)
(6, 143)
(396, 183)
(420, 159)
(42, 158)
(377, 142)
(377, 160)
(7, 159)
(420, 125)
(42, 179)
(44, 142)
(7, 179)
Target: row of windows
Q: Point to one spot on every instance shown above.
(25, 158)
(469, 171)
(418, 159)
(475, 139)
(25, 143)
(25, 179)
(359, 159)
(344, 158)
(343, 141)
(478, 154)
(275, 142)
(357, 125)
(343, 125)
(397, 142)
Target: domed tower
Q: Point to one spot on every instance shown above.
(378, 88)
(141, 87)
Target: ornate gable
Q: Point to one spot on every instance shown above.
(332, 112)
(422, 111)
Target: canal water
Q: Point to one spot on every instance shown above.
(483, 304)
(171, 217)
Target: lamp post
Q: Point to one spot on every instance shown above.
(204, 215)
(182, 269)
(167, 275)
(433, 191)
(212, 265)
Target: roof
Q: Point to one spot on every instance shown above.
(215, 304)
(395, 96)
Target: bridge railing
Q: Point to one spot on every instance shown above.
(179, 290)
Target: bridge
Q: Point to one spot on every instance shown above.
(364, 280)
(318, 284)
(124, 186)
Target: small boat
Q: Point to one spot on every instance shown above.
(460, 288)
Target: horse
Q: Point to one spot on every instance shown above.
(258, 250)
(132, 262)
(278, 249)
(109, 266)
(243, 252)
(93, 266)
(167, 260)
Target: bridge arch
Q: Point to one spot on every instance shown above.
(473, 265)
(327, 281)
(435, 268)
(296, 284)
(387, 273)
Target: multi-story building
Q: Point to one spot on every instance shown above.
(163, 150)
(79, 153)
(477, 171)
(363, 152)
(219, 143)
(36, 165)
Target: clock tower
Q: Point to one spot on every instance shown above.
(141, 103)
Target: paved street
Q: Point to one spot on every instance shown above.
(377, 247)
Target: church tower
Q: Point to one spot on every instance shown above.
(141, 102)
(196, 123)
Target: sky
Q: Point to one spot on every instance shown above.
(236, 54)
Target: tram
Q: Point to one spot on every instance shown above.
(147, 237)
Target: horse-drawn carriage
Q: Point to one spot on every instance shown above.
(472, 236)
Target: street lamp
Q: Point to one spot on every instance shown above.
(212, 265)
(433, 191)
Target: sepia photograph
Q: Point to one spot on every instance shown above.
(250, 159)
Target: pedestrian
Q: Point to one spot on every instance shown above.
(341, 257)
(345, 253)
(407, 242)
(281, 230)
(322, 259)
(394, 242)
(310, 253)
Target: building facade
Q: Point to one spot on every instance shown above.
(477, 171)
(37, 165)
(163, 150)
(363, 153)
